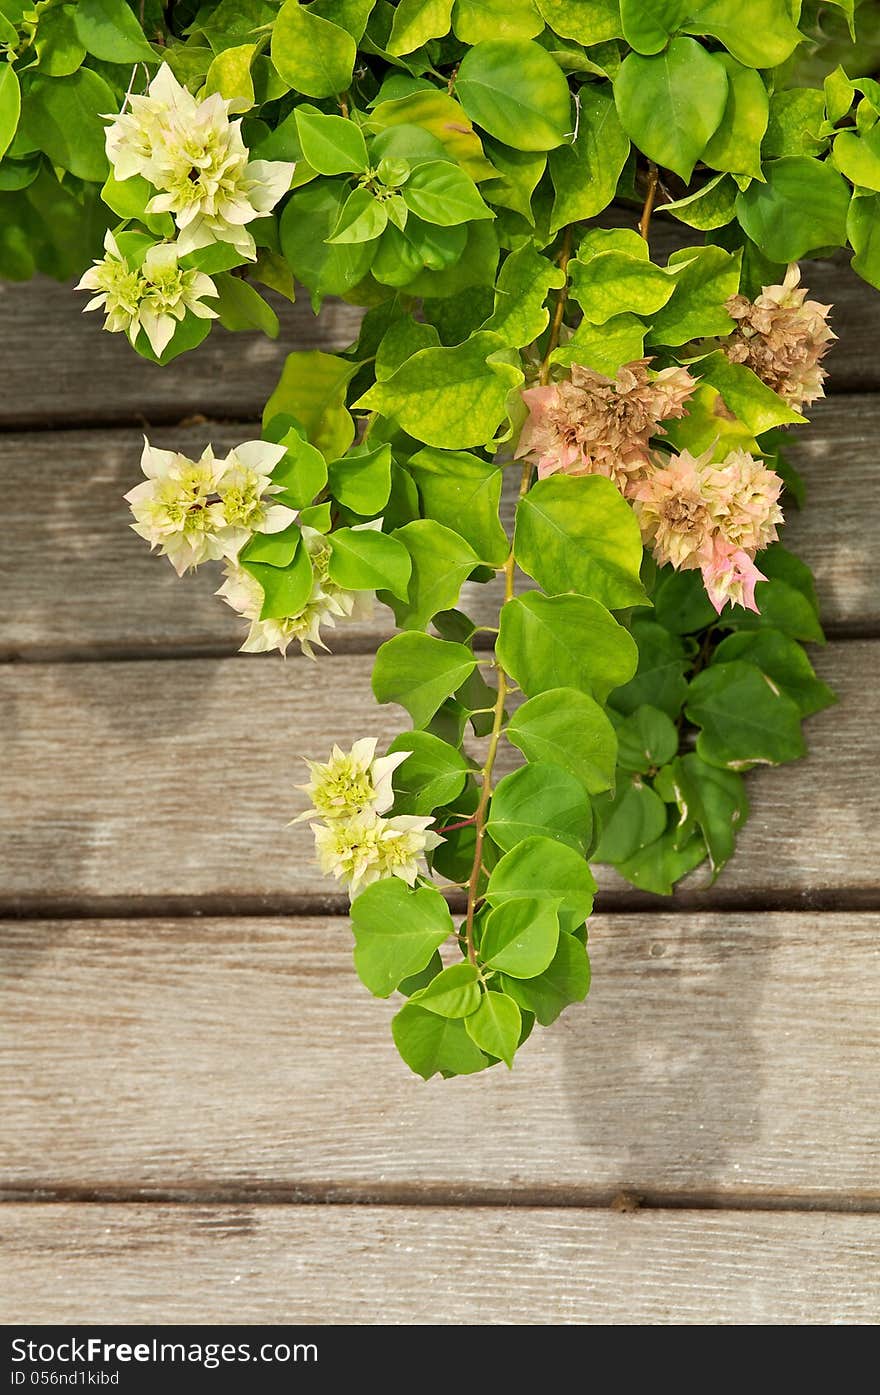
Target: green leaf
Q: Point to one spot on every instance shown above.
(671, 104)
(463, 493)
(413, 981)
(709, 425)
(736, 145)
(230, 75)
(311, 389)
(745, 719)
(63, 118)
(240, 307)
(784, 661)
(401, 340)
(396, 930)
(659, 677)
(363, 559)
(449, 397)
(417, 21)
(442, 193)
(351, 15)
(566, 981)
(302, 472)
(442, 117)
(858, 157)
(613, 282)
(476, 20)
(585, 174)
(361, 481)
(109, 30)
(796, 116)
(520, 313)
(307, 221)
(711, 800)
(550, 871)
(455, 992)
(331, 144)
(513, 89)
(604, 347)
(578, 534)
(430, 1044)
(520, 936)
(568, 641)
(418, 672)
(801, 209)
(629, 821)
(129, 198)
(10, 106)
(275, 549)
(567, 728)
(660, 864)
(433, 774)
(681, 604)
(286, 590)
(540, 799)
(496, 1026)
(56, 41)
(314, 56)
(649, 24)
(711, 206)
(362, 218)
(520, 172)
(757, 405)
(588, 21)
(647, 738)
(697, 307)
(863, 230)
(760, 33)
(441, 560)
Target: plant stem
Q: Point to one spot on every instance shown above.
(504, 687)
(650, 199)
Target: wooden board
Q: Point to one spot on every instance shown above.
(722, 1058)
(95, 376)
(323, 1265)
(77, 581)
(175, 781)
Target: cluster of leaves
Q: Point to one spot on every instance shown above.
(451, 158)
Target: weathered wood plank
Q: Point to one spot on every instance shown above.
(77, 580)
(96, 376)
(136, 780)
(385, 1266)
(725, 1057)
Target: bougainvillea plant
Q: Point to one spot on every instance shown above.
(532, 400)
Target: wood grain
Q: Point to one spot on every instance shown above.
(381, 1265)
(176, 780)
(719, 1056)
(78, 581)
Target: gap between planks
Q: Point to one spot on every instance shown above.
(611, 901)
(420, 1195)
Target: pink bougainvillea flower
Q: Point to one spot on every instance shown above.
(589, 424)
(782, 337)
(730, 574)
(696, 513)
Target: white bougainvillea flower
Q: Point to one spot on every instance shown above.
(169, 292)
(245, 490)
(154, 297)
(194, 155)
(120, 290)
(245, 595)
(365, 848)
(351, 782)
(403, 842)
(176, 508)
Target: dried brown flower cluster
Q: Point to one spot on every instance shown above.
(592, 425)
(782, 337)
